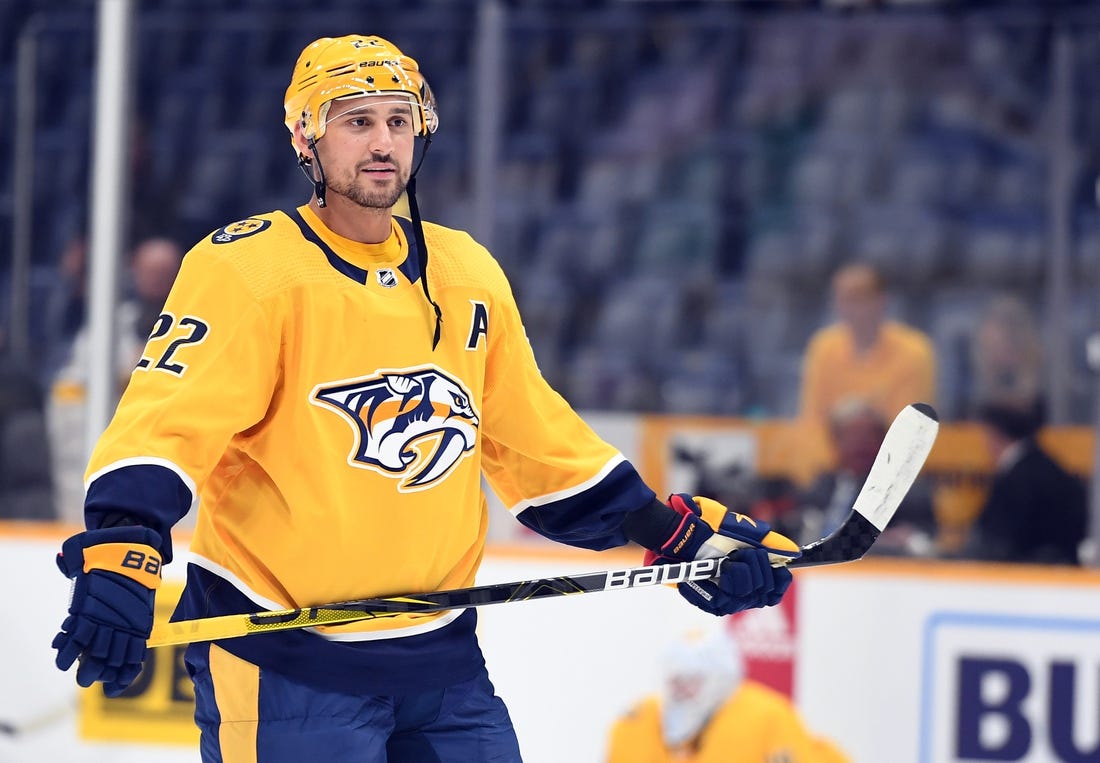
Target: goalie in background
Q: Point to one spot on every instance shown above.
(708, 712)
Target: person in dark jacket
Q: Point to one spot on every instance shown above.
(1035, 511)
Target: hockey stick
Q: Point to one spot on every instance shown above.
(35, 723)
(900, 458)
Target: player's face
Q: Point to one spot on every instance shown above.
(858, 300)
(368, 150)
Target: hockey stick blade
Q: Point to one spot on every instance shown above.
(900, 458)
(903, 452)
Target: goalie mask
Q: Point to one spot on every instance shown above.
(347, 67)
(700, 674)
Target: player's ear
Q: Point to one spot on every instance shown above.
(300, 143)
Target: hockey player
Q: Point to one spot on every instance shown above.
(325, 386)
(708, 712)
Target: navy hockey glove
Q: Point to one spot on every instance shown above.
(115, 574)
(748, 579)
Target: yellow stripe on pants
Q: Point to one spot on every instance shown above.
(237, 693)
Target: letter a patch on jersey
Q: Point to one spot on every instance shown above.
(479, 324)
(414, 425)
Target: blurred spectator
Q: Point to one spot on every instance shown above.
(708, 712)
(864, 353)
(153, 268)
(1007, 354)
(856, 431)
(1036, 511)
(26, 483)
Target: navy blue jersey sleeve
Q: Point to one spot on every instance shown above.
(592, 518)
(150, 495)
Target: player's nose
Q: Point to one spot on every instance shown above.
(380, 140)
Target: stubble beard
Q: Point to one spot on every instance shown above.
(368, 199)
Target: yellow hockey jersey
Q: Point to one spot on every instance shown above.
(756, 725)
(290, 391)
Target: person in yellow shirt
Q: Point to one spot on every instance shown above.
(708, 712)
(864, 354)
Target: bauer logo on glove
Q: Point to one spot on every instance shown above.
(140, 563)
(754, 572)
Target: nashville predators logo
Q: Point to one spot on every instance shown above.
(414, 425)
(241, 229)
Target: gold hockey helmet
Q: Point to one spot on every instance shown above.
(346, 67)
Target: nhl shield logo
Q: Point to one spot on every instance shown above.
(386, 278)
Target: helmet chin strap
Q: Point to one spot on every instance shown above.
(421, 246)
(318, 178)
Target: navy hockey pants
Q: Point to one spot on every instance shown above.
(244, 719)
